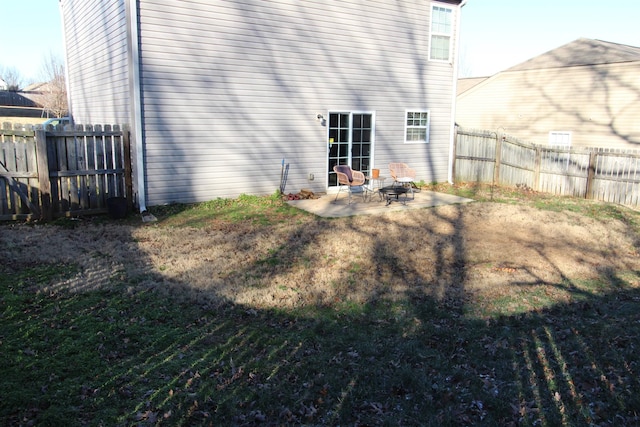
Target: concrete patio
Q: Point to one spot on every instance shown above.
(326, 207)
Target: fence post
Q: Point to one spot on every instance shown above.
(591, 175)
(536, 168)
(43, 174)
(498, 157)
(455, 151)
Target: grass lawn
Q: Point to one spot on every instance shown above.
(127, 355)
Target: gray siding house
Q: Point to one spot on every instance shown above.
(583, 94)
(217, 93)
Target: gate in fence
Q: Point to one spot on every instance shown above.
(594, 173)
(62, 171)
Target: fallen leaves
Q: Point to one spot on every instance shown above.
(504, 269)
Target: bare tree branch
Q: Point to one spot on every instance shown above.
(12, 78)
(54, 91)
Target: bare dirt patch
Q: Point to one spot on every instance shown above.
(456, 252)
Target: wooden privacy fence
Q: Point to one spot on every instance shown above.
(62, 171)
(594, 173)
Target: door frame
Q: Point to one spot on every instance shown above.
(335, 189)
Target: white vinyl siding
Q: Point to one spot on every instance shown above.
(255, 77)
(96, 56)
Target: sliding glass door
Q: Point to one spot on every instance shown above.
(350, 139)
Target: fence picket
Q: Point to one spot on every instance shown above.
(600, 173)
(91, 181)
(61, 171)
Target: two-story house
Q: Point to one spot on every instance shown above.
(218, 93)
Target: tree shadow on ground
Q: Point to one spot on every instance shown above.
(105, 348)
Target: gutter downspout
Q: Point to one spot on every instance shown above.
(454, 94)
(136, 104)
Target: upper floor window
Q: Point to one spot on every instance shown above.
(441, 33)
(417, 126)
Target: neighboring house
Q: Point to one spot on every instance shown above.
(3, 85)
(10, 98)
(38, 87)
(469, 82)
(584, 94)
(218, 93)
(35, 91)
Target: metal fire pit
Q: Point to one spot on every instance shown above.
(393, 192)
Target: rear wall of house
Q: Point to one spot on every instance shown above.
(230, 89)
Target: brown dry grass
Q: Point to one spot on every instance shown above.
(502, 314)
(467, 253)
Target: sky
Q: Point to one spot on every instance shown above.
(495, 34)
(30, 31)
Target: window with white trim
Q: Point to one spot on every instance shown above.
(561, 138)
(441, 33)
(417, 126)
